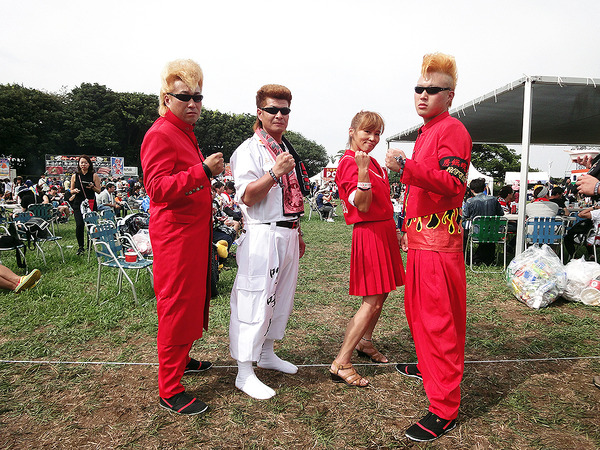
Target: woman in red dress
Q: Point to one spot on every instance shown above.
(376, 265)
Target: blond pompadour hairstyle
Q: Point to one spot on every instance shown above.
(185, 70)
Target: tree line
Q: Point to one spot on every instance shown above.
(92, 119)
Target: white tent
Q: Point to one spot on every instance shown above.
(533, 177)
(532, 110)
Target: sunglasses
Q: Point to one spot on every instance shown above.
(274, 110)
(187, 97)
(431, 90)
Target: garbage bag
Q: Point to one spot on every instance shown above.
(536, 277)
(580, 273)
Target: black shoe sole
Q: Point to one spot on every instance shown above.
(418, 377)
(183, 413)
(199, 369)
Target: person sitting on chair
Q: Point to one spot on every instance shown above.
(581, 230)
(541, 206)
(324, 206)
(480, 205)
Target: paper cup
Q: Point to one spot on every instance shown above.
(130, 256)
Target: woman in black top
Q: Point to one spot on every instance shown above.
(85, 184)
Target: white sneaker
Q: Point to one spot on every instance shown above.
(330, 220)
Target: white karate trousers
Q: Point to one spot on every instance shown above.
(263, 292)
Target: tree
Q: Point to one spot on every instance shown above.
(219, 132)
(137, 112)
(495, 160)
(31, 123)
(93, 119)
(312, 154)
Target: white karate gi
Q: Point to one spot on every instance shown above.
(267, 256)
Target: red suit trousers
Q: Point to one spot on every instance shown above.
(172, 360)
(435, 301)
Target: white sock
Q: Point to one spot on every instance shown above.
(269, 360)
(247, 382)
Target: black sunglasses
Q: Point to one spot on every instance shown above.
(274, 110)
(187, 97)
(431, 90)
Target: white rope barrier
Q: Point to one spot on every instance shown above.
(116, 363)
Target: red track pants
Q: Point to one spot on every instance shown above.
(435, 300)
(172, 360)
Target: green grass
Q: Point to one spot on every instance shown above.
(505, 405)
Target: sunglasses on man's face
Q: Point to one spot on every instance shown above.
(187, 97)
(274, 110)
(431, 90)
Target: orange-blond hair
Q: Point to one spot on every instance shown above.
(271, 91)
(366, 120)
(185, 70)
(440, 63)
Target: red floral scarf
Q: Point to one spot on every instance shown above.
(293, 202)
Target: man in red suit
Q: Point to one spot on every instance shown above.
(435, 296)
(177, 179)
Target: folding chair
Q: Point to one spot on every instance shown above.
(17, 245)
(545, 230)
(20, 220)
(487, 229)
(595, 232)
(312, 202)
(91, 219)
(108, 215)
(44, 211)
(110, 253)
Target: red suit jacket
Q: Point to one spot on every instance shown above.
(180, 228)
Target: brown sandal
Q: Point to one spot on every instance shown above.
(354, 379)
(368, 351)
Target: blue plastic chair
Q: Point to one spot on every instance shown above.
(108, 215)
(110, 253)
(20, 219)
(545, 230)
(44, 211)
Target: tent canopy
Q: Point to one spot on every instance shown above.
(565, 111)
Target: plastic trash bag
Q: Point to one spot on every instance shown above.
(142, 241)
(580, 273)
(536, 276)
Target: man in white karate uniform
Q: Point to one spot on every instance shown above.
(266, 173)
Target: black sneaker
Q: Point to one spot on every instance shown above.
(410, 370)
(183, 403)
(429, 428)
(80, 251)
(195, 366)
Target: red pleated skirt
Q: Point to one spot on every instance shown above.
(375, 264)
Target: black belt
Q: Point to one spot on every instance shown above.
(286, 224)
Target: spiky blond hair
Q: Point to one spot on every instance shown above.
(185, 70)
(440, 63)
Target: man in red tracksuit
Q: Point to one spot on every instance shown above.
(435, 292)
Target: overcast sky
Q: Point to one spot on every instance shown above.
(337, 57)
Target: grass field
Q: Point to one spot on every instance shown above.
(519, 391)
